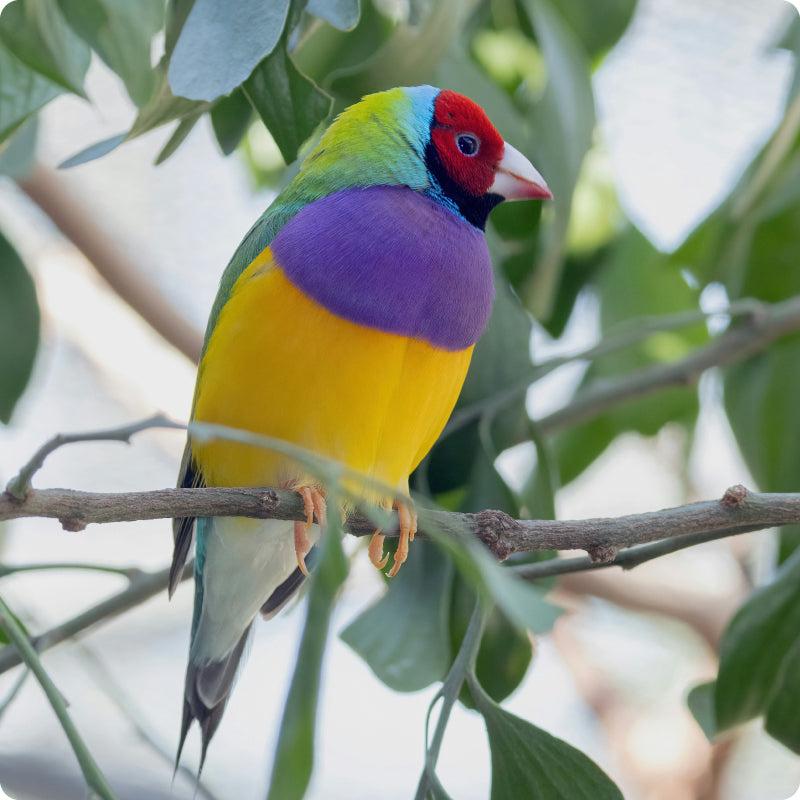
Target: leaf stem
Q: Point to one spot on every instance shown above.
(449, 692)
(95, 779)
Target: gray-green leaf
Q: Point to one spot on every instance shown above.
(342, 14)
(221, 43)
(24, 92)
(121, 33)
(37, 34)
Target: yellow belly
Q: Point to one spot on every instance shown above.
(280, 364)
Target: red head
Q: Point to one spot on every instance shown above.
(474, 166)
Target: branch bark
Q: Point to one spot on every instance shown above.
(754, 333)
(759, 325)
(623, 541)
(602, 538)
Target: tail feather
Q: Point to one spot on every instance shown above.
(206, 694)
(241, 566)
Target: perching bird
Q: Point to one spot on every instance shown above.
(344, 323)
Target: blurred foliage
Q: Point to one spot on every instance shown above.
(269, 75)
(19, 328)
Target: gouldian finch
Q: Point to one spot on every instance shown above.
(344, 323)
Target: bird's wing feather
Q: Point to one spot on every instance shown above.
(183, 527)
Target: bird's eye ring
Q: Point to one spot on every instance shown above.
(468, 144)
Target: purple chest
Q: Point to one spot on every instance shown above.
(391, 259)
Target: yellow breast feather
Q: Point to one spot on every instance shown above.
(373, 401)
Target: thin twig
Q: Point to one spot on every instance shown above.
(627, 558)
(12, 569)
(754, 333)
(141, 588)
(626, 334)
(95, 779)
(14, 691)
(19, 486)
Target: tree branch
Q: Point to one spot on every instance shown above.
(754, 333)
(19, 486)
(738, 511)
(51, 194)
(622, 541)
(142, 587)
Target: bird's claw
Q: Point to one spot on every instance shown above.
(313, 505)
(408, 527)
(375, 551)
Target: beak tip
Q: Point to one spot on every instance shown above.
(517, 179)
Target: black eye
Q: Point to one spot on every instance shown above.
(467, 144)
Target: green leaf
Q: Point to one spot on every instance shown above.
(24, 92)
(221, 44)
(761, 405)
(505, 651)
(523, 603)
(404, 637)
(121, 33)
(182, 130)
(748, 243)
(17, 154)
(290, 104)
(4, 636)
(597, 25)
(342, 14)
(19, 328)
(177, 13)
(755, 649)
(486, 487)
(701, 704)
(496, 383)
(163, 106)
(635, 280)
(230, 118)
(529, 762)
(562, 129)
(782, 720)
(294, 755)
(789, 541)
(790, 40)
(37, 34)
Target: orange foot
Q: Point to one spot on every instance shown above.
(408, 527)
(313, 505)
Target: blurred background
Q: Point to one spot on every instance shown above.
(684, 100)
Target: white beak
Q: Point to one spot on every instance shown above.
(517, 179)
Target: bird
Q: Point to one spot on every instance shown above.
(344, 323)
